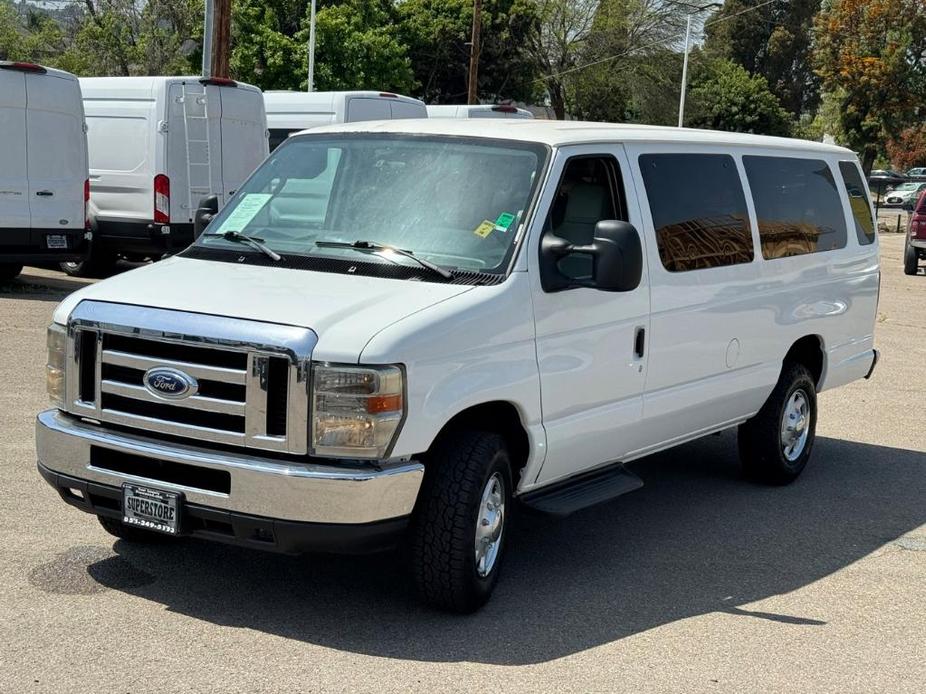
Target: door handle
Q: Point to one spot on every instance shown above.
(639, 343)
(44, 193)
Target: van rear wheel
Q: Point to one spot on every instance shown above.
(775, 444)
(9, 271)
(458, 532)
(96, 265)
(910, 260)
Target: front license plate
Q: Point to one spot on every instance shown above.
(56, 241)
(151, 509)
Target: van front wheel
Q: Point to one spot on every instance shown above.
(775, 444)
(459, 530)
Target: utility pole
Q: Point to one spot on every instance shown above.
(221, 38)
(310, 86)
(207, 39)
(681, 99)
(472, 97)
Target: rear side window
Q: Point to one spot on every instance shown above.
(699, 210)
(797, 206)
(278, 136)
(858, 201)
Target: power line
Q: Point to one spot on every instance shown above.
(660, 42)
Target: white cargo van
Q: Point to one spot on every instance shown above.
(289, 112)
(43, 167)
(157, 146)
(477, 111)
(483, 316)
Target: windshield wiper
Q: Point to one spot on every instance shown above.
(252, 241)
(366, 246)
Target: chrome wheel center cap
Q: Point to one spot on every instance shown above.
(490, 524)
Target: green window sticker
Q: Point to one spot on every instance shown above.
(504, 221)
(246, 209)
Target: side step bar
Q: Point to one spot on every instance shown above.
(583, 491)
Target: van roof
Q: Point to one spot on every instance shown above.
(48, 71)
(556, 133)
(282, 98)
(137, 87)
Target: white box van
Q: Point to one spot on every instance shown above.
(477, 111)
(43, 167)
(157, 146)
(290, 112)
(483, 316)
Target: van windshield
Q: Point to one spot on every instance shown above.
(454, 202)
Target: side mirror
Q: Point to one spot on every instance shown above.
(208, 208)
(908, 205)
(617, 259)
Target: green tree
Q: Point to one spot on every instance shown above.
(264, 47)
(724, 96)
(873, 53)
(437, 33)
(773, 40)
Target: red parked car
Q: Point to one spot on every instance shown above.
(916, 236)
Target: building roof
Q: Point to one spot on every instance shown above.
(556, 133)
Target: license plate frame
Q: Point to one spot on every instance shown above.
(56, 241)
(151, 509)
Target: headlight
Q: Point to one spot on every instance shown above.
(54, 367)
(356, 410)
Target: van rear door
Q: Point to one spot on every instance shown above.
(56, 152)
(243, 135)
(14, 180)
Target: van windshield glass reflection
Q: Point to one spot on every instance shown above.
(456, 202)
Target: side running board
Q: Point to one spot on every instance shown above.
(583, 491)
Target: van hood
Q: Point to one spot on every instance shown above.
(345, 311)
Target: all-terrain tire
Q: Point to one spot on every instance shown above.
(444, 527)
(910, 260)
(762, 451)
(9, 271)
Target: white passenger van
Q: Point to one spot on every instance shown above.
(43, 167)
(157, 146)
(290, 112)
(477, 111)
(483, 316)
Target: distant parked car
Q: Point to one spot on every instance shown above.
(917, 173)
(905, 191)
(915, 248)
(884, 179)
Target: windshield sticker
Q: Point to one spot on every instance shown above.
(504, 221)
(484, 229)
(248, 207)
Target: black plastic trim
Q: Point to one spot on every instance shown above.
(141, 236)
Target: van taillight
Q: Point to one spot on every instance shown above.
(161, 199)
(21, 67)
(86, 204)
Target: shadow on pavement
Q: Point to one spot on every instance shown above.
(49, 284)
(696, 539)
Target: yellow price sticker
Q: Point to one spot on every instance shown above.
(484, 229)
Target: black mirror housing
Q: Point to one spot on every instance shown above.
(617, 257)
(208, 208)
(907, 205)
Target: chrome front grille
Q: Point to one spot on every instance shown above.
(252, 377)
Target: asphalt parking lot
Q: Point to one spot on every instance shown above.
(700, 581)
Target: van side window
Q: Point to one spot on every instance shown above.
(699, 210)
(858, 201)
(797, 206)
(589, 191)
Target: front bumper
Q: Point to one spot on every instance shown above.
(919, 244)
(224, 482)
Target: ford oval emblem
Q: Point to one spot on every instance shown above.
(169, 383)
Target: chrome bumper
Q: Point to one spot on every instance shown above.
(918, 243)
(259, 486)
